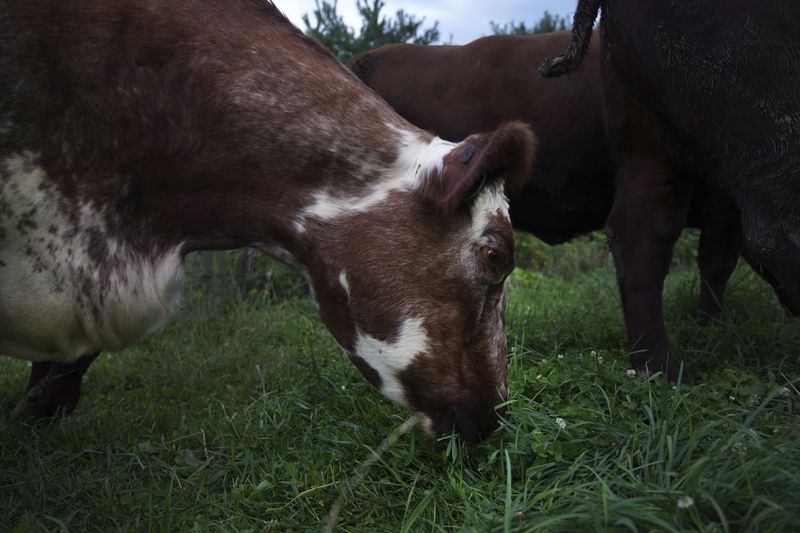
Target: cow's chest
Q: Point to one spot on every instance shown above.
(68, 287)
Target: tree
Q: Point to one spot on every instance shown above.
(547, 24)
(330, 29)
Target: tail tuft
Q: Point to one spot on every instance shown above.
(582, 24)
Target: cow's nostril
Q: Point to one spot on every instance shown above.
(466, 425)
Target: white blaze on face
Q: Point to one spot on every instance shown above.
(390, 359)
(490, 202)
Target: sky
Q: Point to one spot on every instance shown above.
(464, 20)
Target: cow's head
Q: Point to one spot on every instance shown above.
(408, 274)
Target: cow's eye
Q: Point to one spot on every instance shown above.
(496, 263)
(496, 257)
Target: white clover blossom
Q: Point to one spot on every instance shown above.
(731, 397)
(631, 373)
(561, 356)
(784, 391)
(599, 358)
(561, 423)
(684, 502)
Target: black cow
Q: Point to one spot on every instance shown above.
(696, 88)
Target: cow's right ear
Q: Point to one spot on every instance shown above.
(507, 153)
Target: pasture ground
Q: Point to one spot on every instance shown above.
(243, 415)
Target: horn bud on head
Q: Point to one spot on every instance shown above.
(507, 153)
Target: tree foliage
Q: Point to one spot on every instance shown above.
(547, 24)
(331, 30)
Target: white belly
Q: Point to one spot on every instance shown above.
(67, 288)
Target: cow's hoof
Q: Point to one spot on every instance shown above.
(37, 404)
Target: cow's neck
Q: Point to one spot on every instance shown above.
(250, 202)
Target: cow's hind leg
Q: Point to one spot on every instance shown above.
(720, 247)
(647, 218)
(778, 262)
(789, 304)
(53, 388)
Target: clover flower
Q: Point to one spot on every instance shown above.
(561, 423)
(684, 502)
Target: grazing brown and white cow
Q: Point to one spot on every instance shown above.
(133, 133)
(457, 90)
(690, 89)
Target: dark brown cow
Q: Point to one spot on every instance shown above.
(696, 88)
(456, 90)
(133, 133)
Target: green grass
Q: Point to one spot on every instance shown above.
(243, 415)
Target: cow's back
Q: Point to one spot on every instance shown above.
(455, 91)
(726, 94)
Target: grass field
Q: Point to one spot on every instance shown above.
(243, 415)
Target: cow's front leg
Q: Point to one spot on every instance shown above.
(720, 247)
(647, 218)
(53, 388)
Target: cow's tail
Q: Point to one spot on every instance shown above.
(585, 15)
